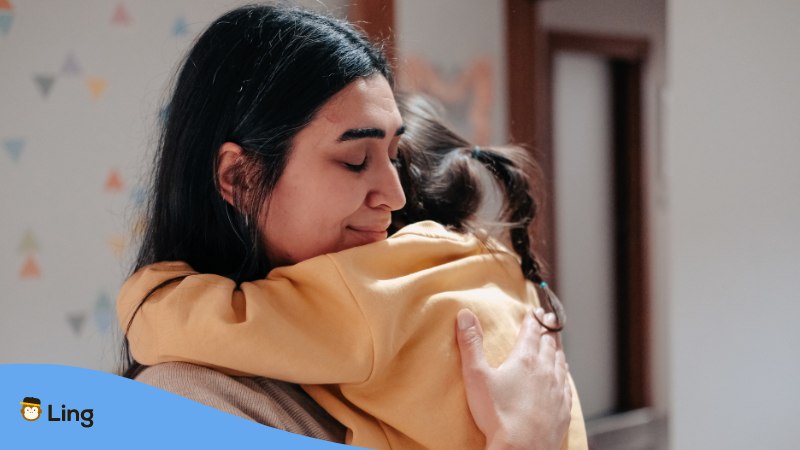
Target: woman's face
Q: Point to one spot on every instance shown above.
(339, 186)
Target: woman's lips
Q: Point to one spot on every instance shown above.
(369, 235)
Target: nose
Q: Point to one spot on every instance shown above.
(386, 191)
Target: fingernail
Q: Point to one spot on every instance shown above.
(539, 311)
(465, 319)
(550, 318)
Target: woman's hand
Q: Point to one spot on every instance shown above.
(525, 403)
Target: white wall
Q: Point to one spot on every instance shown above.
(638, 18)
(733, 147)
(54, 206)
(451, 35)
(582, 159)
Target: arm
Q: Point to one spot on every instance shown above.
(535, 366)
(261, 328)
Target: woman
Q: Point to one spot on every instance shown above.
(261, 84)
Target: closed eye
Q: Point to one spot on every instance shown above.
(356, 167)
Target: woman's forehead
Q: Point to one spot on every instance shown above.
(364, 103)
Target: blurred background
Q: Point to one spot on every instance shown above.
(667, 131)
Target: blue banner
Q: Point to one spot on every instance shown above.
(51, 406)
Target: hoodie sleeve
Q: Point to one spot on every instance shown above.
(301, 324)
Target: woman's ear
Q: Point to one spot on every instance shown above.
(229, 166)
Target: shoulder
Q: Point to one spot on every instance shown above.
(269, 402)
(429, 230)
(428, 233)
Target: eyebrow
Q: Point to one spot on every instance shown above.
(367, 133)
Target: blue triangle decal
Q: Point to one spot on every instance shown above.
(71, 66)
(75, 321)
(45, 83)
(163, 114)
(14, 147)
(138, 196)
(5, 23)
(180, 28)
(103, 313)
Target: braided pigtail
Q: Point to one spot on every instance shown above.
(448, 181)
(506, 164)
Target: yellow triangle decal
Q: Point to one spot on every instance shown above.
(97, 87)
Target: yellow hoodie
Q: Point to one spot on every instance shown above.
(368, 332)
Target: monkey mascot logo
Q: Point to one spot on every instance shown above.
(31, 408)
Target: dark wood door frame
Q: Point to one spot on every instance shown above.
(530, 54)
(526, 116)
(626, 58)
(377, 19)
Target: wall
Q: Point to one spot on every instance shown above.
(82, 84)
(454, 50)
(732, 141)
(637, 18)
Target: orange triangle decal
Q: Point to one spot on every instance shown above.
(30, 269)
(121, 16)
(5, 5)
(97, 86)
(114, 181)
(117, 244)
(139, 226)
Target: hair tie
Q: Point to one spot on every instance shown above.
(476, 152)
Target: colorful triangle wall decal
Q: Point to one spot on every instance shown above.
(5, 23)
(180, 28)
(139, 226)
(14, 147)
(28, 244)
(97, 86)
(103, 312)
(121, 16)
(45, 83)
(113, 181)
(76, 320)
(117, 245)
(71, 66)
(138, 196)
(30, 269)
(163, 113)
(5, 5)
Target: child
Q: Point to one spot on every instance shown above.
(367, 331)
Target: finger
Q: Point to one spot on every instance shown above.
(527, 344)
(547, 350)
(539, 313)
(568, 395)
(550, 321)
(561, 367)
(470, 343)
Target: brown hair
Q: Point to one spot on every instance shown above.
(441, 175)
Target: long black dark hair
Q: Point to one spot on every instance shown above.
(255, 77)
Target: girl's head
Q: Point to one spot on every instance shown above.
(452, 182)
(466, 187)
(280, 119)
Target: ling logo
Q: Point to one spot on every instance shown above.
(31, 408)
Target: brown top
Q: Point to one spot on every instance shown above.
(269, 402)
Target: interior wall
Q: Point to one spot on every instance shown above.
(640, 18)
(82, 85)
(585, 266)
(454, 50)
(734, 177)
